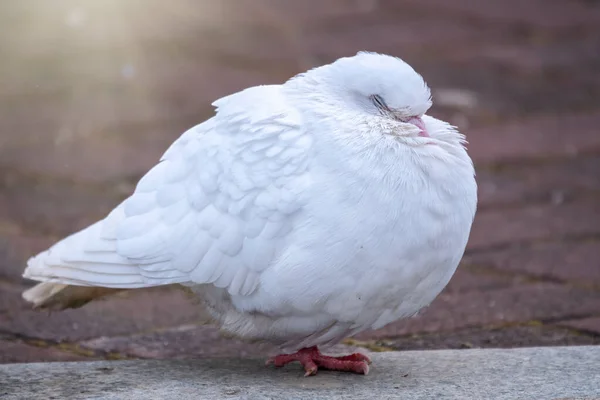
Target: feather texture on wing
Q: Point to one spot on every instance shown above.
(213, 210)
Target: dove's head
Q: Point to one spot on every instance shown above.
(373, 90)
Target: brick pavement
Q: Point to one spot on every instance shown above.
(91, 94)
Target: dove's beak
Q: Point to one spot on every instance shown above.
(418, 122)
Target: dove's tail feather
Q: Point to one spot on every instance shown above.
(58, 296)
(69, 279)
(86, 258)
(86, 265)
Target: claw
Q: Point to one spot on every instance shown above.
(311, 359)
(311, 372)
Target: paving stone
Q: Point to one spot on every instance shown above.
(20, 352)
(83, 28)
(89, 138)
(465, 280)
(15, 250)
(188, 341)
(501, 227)
(552, 182)
(590, 325)
(122, 314)
(543, 137)
(537, 13)
(505, 96)
(518, 304)
(53, 207)
(73, 24)
(508, 337)
(95, 159)
(507, 88)
(552, 56)
(398, 34)
(574, 262)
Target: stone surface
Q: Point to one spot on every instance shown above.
(544, 373)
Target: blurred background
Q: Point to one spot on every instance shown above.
(92, 93)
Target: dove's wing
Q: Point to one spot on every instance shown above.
(214, 210)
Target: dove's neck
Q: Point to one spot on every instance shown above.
(397, 167)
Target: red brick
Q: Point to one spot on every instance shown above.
(519, 304)
(575, 262)
(531, 57)
(401, 35)
(507, 89)
(517, 76)
(543, 137)
(591, 324)
(95, 138)
(74, 27)
(546, 182)
(98, 137)
(96, 158)
(517, 336)
(139, 23)
(188, 341)
(271, 11)
(15, 250)
(20, 352)
(465, 280)
(125, 314)
(164, 60)
(505, 96)
(499, 227)
(538, 13)
(55, 208)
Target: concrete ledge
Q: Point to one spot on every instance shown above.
(531, 373)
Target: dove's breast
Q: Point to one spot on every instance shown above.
(365, 252)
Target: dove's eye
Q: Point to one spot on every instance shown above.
(379, 102)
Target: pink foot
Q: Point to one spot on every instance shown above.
(312, 359)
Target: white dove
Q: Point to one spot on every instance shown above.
(300, 214)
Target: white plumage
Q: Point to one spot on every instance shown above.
(300, 213)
